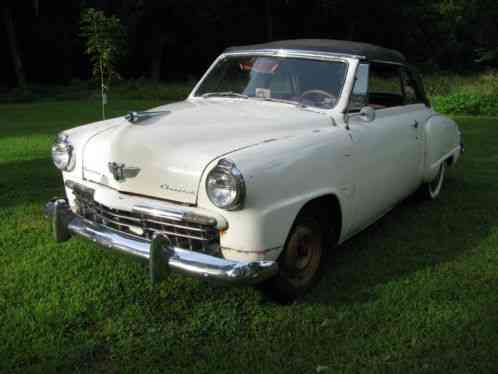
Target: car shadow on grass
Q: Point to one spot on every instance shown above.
(29, 181)
(415, 235)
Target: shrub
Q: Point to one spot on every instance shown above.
(467, 104)
(444, 83)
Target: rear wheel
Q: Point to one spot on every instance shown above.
(431, 190)
(301, 260)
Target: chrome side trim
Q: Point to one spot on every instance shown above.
(446, 156)
(295, 53)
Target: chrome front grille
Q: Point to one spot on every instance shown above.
(194, 236)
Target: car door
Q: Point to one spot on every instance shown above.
(387, 153)
(417, 104)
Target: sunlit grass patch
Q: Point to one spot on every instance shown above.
(416, 292)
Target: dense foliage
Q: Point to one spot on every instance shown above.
(467, 104)
(173, 40)
(475, 94)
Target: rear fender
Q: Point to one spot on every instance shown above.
(442, 142)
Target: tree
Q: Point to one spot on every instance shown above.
(105, 44)
(14, 50)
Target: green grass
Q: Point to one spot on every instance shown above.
(417, 292)
(138, 89)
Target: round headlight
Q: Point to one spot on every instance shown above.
(225, 186)
(62, 154)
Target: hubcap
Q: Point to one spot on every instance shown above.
(304, 253)
(302, 256)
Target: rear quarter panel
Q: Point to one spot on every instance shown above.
(442, 141)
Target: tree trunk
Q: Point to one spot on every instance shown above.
(269, 20)
(14, 51)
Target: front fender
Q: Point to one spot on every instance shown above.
(281, 177)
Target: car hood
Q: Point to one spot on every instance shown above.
(165, 156)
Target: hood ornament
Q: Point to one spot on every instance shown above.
(120, 172)
(137, 117)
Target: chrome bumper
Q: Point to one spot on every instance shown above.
(160, 254)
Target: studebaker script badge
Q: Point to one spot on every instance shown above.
(120, 171)
(177, 189)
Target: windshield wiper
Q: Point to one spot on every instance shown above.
(224, 94)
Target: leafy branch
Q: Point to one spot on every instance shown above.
(105, 43)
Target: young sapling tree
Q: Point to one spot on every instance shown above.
(105, 43)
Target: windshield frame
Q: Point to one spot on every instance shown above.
(284, 53)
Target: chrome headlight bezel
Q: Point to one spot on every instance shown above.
(232, 196)
(63, 153)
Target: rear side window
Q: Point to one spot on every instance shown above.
(383, 86)
(412, 91)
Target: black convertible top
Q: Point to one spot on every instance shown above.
(369, 51)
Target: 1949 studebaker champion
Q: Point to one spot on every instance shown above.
(281, 151)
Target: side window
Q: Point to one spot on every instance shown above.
(379, 86)
(412, 92)
(385, 88)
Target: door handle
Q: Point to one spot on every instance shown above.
(415, 124)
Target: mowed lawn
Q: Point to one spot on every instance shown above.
(417, 292)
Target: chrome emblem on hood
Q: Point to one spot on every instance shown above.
(137, 117)
(120, 172)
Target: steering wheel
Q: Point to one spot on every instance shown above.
(326, 95)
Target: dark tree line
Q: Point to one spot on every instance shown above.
(176, 40)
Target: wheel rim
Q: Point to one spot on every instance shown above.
(302, 257)
(436, 184)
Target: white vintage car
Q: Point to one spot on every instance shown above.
(282, 151)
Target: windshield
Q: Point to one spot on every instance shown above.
(294, 80)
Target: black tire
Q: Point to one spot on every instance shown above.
(432, 190)
(300, 263)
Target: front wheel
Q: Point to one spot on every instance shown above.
(300, 262)
(431, 190)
